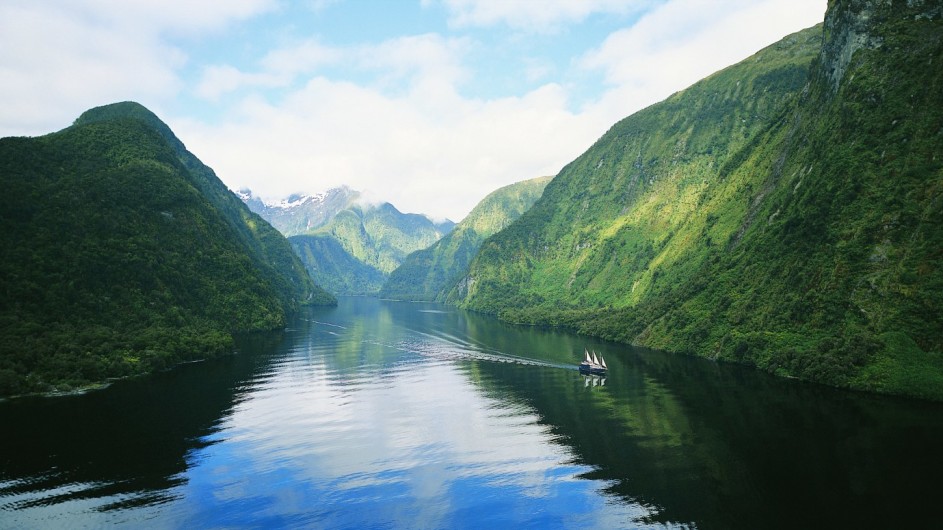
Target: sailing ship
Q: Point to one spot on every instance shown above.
(593, 364)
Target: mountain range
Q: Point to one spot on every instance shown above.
(348, 246)
(299, 214)
(783, 213)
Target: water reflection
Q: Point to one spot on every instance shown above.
(718, 446)
(417, 415)
(384, 430)
(116, 449)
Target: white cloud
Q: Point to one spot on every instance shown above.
(684, 41)
(426, 148)
(433, 153)
(60, 58)
(428, 56)
(222, 79)
(305, 56)
(179, 16)
(407, 135)
(427, 62)
(389, 118)
(530, 15)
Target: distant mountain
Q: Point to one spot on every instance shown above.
(783, 213)
(375, 237)
(300, 214)
(123, 253)
(381, 236)
(334, 268)
(428, 274)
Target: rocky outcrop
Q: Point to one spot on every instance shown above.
(847, 30)
(850, 26)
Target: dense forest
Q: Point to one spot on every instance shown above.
(430, 273)
(783, 213)
(124, 254)
(334, 268)
(380, 235)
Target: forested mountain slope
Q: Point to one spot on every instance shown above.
(334, 268)
(123, 253)
(783, 213)
(381, 236)
(428, 274)
(348, 246)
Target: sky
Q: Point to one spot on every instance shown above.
(427, 104)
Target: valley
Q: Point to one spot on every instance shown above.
(471, 264)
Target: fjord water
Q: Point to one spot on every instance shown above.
(379, 414)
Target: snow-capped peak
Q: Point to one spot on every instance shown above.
(295, 200)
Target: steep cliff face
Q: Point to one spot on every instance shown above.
(852, 25)
(847, 29)
(802, 236)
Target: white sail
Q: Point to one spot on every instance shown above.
(595, 360)
(587, 356)
(602, 361)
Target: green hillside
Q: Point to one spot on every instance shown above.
(123, 254)
(334, 268)
(376, 238)
(429, 273)
(782, 213)
(368, 241)
(381, 236)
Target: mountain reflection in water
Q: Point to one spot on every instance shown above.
(386, 414)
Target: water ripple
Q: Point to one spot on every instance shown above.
(346, 423)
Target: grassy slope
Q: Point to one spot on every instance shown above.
(796, 230)
(429, 273)
(116, 263)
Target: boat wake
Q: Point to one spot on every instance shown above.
(326, 324)
(449, 348)
(446, 347)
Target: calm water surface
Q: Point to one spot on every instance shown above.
(382, 414)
